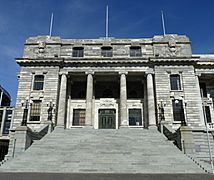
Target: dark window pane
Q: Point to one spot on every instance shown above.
(79, 117)
(35, 111)
(135, 117)
(203, 89)
(38, 82)
(106, 52)
(78, 52)
(7, 122)
(135, 51)
(175, 82)
(178, 111)
(208, 115)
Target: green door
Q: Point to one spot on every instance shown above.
(107, 118)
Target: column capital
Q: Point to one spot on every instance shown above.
(63, 73)
(89, 72)
(198, 74)
(123, 72)
(150, 71)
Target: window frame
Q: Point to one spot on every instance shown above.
(37, 110)
(140, 115)
(106, 51)
(181, 112)
(35, 87)
(135, 53)
(78, 52)
(78, 110)
(178, 85)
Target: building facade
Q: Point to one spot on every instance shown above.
(6, 116)
(114, 83)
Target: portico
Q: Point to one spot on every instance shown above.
(106, 100)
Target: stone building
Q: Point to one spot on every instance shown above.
(107, 83)
(113, 83)
(6, 113)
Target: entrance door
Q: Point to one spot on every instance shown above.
(107, 118)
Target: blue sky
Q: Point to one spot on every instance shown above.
(20, 19)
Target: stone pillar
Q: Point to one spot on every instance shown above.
(123, 100)
(89, 97)
(151, 100)
(186, 139)
(62, 101)
(200, 108)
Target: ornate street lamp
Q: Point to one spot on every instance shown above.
(26, 105)
(50, 111)
(161, 110)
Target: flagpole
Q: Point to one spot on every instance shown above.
(163, 23)
(51, 25)
(107, 21)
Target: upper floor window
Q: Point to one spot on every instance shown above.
(175, 82)
(38, 82)
(35, 110)
(135, 51)
(78, 52)
(106, 52)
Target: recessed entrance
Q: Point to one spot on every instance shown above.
(107, 118)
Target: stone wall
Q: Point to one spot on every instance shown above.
(25, 90)
(188, 92)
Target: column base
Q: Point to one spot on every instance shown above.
(152, 127)
(59, 127)
(123, 126)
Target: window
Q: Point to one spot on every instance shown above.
(208, 115)
(203, 88)
(35, 110)
(175, 82)
(135, 117)
(38, 82)
(106, 52)
(135, 51)
(78, 52)
(79, 117)
(178, 111)
(7, 122)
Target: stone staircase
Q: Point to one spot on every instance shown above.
(102, 151)
(202, 151)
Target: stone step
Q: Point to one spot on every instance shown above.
(112, 151)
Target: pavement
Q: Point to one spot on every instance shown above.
(103, 176)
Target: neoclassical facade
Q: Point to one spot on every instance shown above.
(114, 83)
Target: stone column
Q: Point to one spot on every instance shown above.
(200, 108)
(62, 101)
(89, 96)
(123, 100)
(151, 100)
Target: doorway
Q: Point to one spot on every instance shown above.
(107, 118)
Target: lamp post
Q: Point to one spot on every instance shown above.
(25, 104)
(50, 111)
(161, 110)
